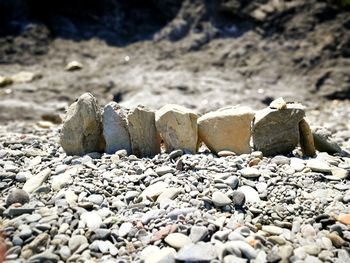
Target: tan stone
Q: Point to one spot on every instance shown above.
(278, 104)
(82, 129)
(306, 139)
(115, 128)
(227, 129)
(73, 65)
(145, 141)
(177, 126)
(344, 219)
(4, 81)
(25, 76)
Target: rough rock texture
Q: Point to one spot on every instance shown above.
(82, 129)
(17, 196)
(178, 127)
(115, 129)
(306, 139)
(277, 131)
(227, 129)
(324, 141)
(145, 141)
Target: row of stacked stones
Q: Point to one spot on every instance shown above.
(277, 129)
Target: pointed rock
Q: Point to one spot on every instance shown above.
(82, 129)
(145, 141)
(178, 127)
(324, 141)
(37, 180)
(306, 139)
(277, 131)
(115, 128)
(228, 129)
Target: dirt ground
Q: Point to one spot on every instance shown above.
(201, 54)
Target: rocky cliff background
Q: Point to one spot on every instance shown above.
(203, 54)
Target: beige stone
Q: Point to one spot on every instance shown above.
(278, 104)
(82, 129)
(177, 126)
(145, 141)
(73, 66)
(227, 129)
(4, 81)
(306, 139)
(25, 76)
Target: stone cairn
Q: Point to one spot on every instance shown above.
(277, 129)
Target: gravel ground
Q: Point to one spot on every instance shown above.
(188, 208)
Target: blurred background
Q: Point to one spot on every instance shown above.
(203, 54)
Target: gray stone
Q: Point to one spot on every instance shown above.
(238, 198)
(115, 129)
(164, 170)
(317, 165)
(82, 129)
(220, 199)
(273, 230)
(165, 255)
(20, 211)
(324, 142)
(169, 193)
(154, 190)
(177, 240)
(64, 252)
(277, 131)
(232, 181)
(152, 214)
(17, 196)
(36, 181)
(45, 256)
(239, 248)
(76, 241)
(145, 141)
(198, 233)
(251, 195)
(280, 160)
(96, 199)
(200, 252)
(177, 126)
(250, 172)
(234, 259)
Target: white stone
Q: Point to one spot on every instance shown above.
(177, 240)
(115, 129)
(318, 166)
(251, 195)
(36, 181)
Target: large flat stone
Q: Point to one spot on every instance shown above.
(145, 141)
(277, 131)
(227, 129)
(82, 129)
(115, 129)
(177, 126)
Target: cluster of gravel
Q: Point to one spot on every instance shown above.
(173, 207)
